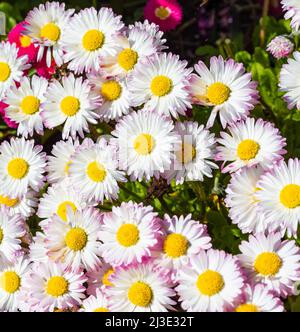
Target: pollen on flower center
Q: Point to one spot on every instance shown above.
(161, 85)
(93, 40)
(57, 286)
(70, 105)
(67, 167)
(62, 209)
(96, 172)
(30, 105)
(186, 154)
(76, 239)
(210, 283)
(18, 168)
(105, 278)
(247, 149)
(25, 41)
(4, 71)
(140, 294)
(10, 202)
(217, 93)
(144, 144)
(128, 235)
(162, 12)
(267, 263)
(111, 90)
(101, 309)
(127, 59)
(1, 235)
(290, 196)
(50, 31)
(175, 245)
(10, 281)
(247, 307)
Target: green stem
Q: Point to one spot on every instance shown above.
(128, 191)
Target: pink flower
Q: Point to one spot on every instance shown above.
(43, 70)
(166, 13)
(10, 123)
(280, 47)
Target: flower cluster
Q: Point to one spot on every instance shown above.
(66, 74)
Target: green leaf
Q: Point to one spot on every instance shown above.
(243, 57)
(261, 56)
(206, 50)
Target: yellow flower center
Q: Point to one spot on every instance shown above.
(93, 40)
(76, 239)
(25, 41)
(128, 235)
(4, 71)
(57, 286)
(18, 168)
(101, 309)
(140, 294)
(144, 144)
(96, 172)
(10, 281)
(162, 12)
(50, 31)
(247, 149)
(67, 167)
(1, 235)
(175, 245)
(111, 90)
(247, 307)
(62, 209)
(267, 263)
(10, 202)
(30, 105)
(217, 93)
(127, 59)
(70, 105)
(290, 196)
(210, 283)
(161, 85)
(105, 278)
(186, 154)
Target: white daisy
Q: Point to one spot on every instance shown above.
(96, 303)
(89, 38)
(279, 196)
(212, 280)
(21, 166)
(99, 278)
(37, 248)
(45, 25)
(94, 171)
(250, 142)
(70, 102)
(292, 9)
(11, 66)
(192, 154)
(140, 289)
(226, 87)
(145, 142)
(25, 104)
(273, 262)
(160, 83)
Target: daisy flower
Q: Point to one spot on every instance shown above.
(11, 66)
(292, 9)
(183, 237)
(11, 282)
(140, 289)
(242, 201)
(37, 248)
(288, 82)
(280, 47)
(99, 278)
(49, 286)
(250, 142)
(25, 104)
(258, 298)
(21, 166)
(11, 231)
(45, 25)
(226, 87)
(94, 172)
(166, 13)
(273, 262)
(279, 196)
(70, 102)
(145, 142)
(116, 99)
(161, 84)
(89, 38)
(129, 233)
(192, 154)
(212, 280)
(95, 303)
(74, 241)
